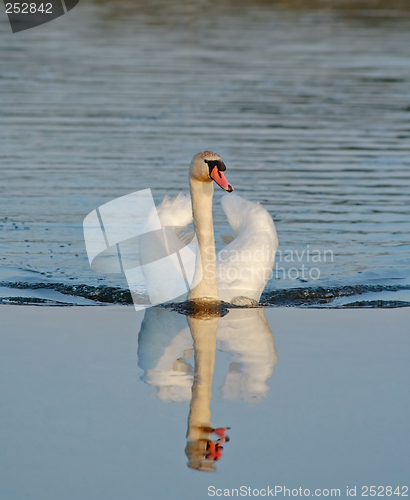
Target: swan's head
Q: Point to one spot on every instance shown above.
(208, 167)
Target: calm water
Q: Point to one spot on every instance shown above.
(314, 399)
(309, 109)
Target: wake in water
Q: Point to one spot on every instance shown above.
(349, 296)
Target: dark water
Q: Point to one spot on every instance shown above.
(310, 110)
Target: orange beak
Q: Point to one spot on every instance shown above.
(219, 177)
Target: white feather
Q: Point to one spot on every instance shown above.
(163, 279)
(175, 212)
(244, 265)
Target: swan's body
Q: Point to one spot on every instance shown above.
(239, 272)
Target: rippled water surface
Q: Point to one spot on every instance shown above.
(310, 110)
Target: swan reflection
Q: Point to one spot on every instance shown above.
(177, 355)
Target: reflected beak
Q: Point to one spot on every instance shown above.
(221, 431)
(219, 177)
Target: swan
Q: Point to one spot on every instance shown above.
(239, 272)
(165, 354)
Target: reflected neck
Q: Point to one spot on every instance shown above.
(204, 335)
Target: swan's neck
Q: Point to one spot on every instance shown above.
(201, 196)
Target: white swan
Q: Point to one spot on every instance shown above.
(239, 272)
(165, 347)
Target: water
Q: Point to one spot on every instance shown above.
(314, 399)
(309, 109)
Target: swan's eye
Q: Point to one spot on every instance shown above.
(206, 161)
